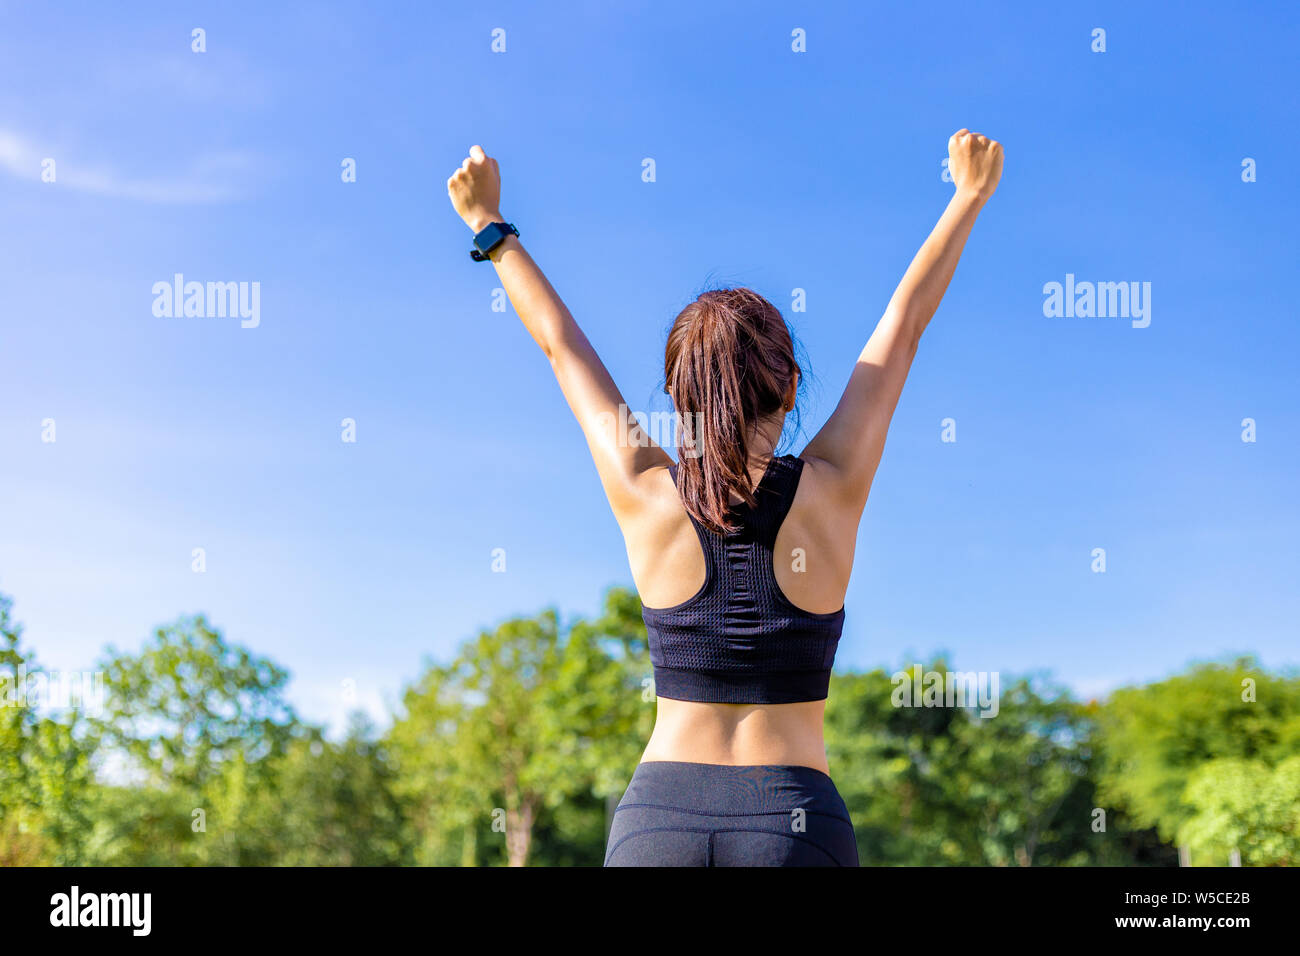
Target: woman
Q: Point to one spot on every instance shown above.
(741, 556)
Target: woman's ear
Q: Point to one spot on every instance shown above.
(791, 393)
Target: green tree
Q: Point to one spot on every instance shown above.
(190, 739)
(1247, 806)
(527, 723)
(335, 804)
(190, 700)
(1156, 738)
(45, 765)
(945, 786)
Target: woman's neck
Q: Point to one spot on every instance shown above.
(762, 442)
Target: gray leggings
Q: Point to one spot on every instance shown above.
(703, 814)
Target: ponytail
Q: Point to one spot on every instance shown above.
(728, 364)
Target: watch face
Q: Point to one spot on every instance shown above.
(492, 234)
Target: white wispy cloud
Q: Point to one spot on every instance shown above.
(209, 178)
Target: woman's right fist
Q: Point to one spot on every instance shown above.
(975, 162)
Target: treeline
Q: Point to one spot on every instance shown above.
(516, 751)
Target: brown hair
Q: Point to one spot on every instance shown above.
(728, 363)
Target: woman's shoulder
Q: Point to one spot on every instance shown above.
(827, 482)
(821, 500)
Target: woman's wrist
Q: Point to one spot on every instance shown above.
(972, 197)
(480, 221)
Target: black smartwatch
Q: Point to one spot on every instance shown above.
(491, 236)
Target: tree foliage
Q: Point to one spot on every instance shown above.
(1159, 739)
(515, 751)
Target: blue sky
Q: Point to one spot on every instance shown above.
(779, 170)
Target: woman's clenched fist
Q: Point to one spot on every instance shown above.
(975, 162)
(475, 189)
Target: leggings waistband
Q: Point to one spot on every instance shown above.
(765, 788)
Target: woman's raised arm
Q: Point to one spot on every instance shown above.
(853, 439)
(620, 448)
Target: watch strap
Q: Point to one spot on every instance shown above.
(489, 237)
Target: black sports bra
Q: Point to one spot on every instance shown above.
(740, 640)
